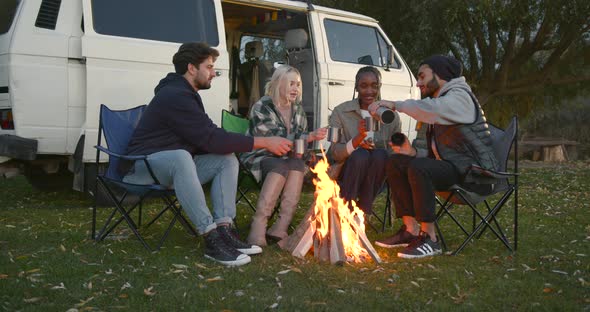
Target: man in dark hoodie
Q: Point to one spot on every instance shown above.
(457, 137)
(186, 149)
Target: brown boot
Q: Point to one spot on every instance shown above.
(271, 189)
(289, 201)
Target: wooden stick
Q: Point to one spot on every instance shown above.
(337, 253)
(294, 239)
(364, 240)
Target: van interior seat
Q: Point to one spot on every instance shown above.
(300, 56)
(253, 73)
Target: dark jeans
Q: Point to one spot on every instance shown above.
(413, 182)
(363, 176)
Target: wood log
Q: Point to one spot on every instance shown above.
(337, 252)
(364, 240)
(305, 243)
(321, 247)
(293, 240)
(555, 153)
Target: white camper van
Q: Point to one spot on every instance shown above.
(61, 59)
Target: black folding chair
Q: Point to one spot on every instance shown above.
(500, 183)
(117, 127)
(387, 218)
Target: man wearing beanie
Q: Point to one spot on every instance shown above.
(457, 137)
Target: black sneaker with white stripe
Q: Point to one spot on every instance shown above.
(423, 246)
(231, 239)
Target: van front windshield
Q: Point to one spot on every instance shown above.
(172, 21)
(7, 13)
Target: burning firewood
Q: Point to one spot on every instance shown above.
(336, 233)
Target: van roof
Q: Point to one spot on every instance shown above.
(301, 6)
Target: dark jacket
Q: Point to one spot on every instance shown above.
(176, 119)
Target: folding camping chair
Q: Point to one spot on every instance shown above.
(246, 181)
(117, 127)
(501, 183)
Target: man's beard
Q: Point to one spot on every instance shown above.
(202, 85)
(431, 87)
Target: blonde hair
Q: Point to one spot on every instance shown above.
(278, 79)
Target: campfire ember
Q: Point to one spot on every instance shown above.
(336, 233)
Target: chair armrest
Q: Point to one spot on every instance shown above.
(479, 175)
(126, 157)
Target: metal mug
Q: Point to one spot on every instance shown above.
(299, 147)
(371, 124)
(334, 134)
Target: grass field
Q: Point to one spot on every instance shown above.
(48, 262)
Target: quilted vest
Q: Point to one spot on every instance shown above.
(464, 144)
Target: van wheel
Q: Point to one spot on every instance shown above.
(49, 182)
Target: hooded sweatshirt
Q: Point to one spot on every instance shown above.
(176, 119)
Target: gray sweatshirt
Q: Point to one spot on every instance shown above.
(454, 107)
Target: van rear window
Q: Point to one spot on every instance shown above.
(172, 21)
(7, 13)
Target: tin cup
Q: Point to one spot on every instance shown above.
(334, 134)
(299, 148)
(371, 124)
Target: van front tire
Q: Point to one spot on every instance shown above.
(49, 182)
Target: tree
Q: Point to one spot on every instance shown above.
(507, 47)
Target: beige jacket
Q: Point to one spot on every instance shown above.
(346, 116)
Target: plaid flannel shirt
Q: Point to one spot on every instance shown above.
(266, 121)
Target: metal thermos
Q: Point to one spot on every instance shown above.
(385, 115)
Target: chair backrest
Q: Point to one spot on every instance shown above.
(233, 123)
(502, 141)
(117, 127)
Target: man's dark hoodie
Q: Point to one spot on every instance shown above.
(176, 119)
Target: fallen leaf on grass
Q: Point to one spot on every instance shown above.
(62, 248)
(273, 306)
(3, 276)
(559, 272)
(214, 279)
(149, 291)
(296, 270)
(415, 284)
(83, 302)
(32, 300)
(123, 296)
(547, 290)
(126, 285)
(180, 266)
(283, 272)
(60, 286)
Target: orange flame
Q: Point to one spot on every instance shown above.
(327, 195)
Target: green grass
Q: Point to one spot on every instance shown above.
(48, 262)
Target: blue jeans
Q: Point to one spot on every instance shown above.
(179, 170)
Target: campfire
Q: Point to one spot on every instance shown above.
(335, 232)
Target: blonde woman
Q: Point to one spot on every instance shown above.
(278, 113)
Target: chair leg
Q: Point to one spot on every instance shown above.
(125, 216)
